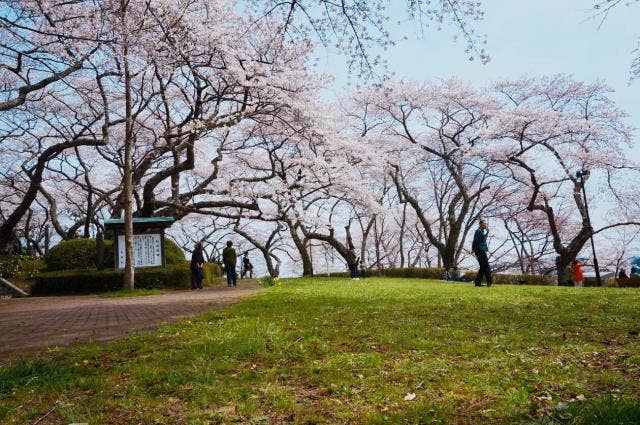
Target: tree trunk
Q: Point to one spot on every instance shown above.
(401, 236)
(365, 237)
(129, 278)
(272, 269)
(562, 262)
(307, 265)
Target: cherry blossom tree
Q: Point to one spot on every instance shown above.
(549, 128)
(44, 48)
(429, 136)
(359, 28)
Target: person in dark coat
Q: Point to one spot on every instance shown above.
(480, 249)
(352, 262)
(229, 259)
(247, 267)
(197, 264)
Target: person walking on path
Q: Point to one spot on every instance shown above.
(229, 260)
(197, 264)
(247, 267)
(578, 273)
(480, 249)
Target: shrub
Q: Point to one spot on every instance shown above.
(91, 281)
(212, 274)
(436, 273)
(409, 272)
(20, 266)
(77, 282)
(270, 281)
(29, 268)
(173, 276)
(72, 254)
(414, 272)
(518, 279)
(173, 253)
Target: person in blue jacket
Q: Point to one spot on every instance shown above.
(480, 249)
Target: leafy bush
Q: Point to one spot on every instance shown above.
(77, 254)
(91, 281)
(268, 281)
(29, 268)
(173, 253)
(21, 266)
(212, 273)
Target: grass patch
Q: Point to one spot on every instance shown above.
(338, 351)
(132, 293)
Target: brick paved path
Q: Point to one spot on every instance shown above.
(30, 324)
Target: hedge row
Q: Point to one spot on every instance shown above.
(436, 273)
(409, 272)
(518, 279)
(90, 281)
(632, 282)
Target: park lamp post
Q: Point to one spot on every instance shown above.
(582, 175)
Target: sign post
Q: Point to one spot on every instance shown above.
(148, 241)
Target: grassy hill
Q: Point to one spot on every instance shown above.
(365, 352)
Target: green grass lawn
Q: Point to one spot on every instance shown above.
(336, 351)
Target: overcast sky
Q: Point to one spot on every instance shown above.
(541, 37)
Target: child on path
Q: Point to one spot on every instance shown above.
(578, 273)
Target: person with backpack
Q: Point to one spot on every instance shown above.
(229, 259)
(197, 264)
(480, 248)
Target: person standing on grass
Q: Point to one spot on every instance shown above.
(578, 273)
(363, 269)
(352, 262)
(197, 264)
(480, 249)
(229, 258)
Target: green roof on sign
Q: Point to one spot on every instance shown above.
(141, 220)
